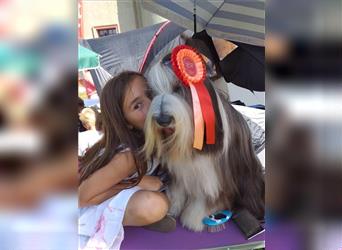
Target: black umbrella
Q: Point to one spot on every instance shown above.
(244, 66)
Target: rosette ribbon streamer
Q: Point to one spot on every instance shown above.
(189, 67)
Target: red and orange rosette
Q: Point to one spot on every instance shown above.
(189, 67)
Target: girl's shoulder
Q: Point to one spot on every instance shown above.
(122, 148)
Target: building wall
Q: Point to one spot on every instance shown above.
(98, 13)
(127, 14)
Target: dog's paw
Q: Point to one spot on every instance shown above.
(192, 223)
(193, 215)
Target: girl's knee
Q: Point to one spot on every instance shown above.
(145, 207)
(154, 206)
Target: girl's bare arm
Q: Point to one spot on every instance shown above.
(105, 195)
(150, 183)
(99, 186)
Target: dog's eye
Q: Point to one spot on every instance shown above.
(166, 61)
(177, 88)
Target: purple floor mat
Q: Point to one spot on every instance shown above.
(181, 238)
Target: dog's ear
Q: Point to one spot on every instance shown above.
(166, 61)
(245, 167)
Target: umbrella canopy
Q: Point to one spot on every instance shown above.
(240, 21)
(87, 59)
(133, 50)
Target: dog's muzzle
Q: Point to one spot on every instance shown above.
(164, 120)
(162, 115)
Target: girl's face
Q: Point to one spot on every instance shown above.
(136, 103)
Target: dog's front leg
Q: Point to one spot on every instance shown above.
(194, 213)
(177, 197)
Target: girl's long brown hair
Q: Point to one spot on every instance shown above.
(116, 133)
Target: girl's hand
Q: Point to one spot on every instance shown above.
(150, 183)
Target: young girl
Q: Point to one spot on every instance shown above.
(116, 187)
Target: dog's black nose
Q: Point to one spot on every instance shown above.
(164, 120)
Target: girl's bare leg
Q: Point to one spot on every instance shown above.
(145, 207)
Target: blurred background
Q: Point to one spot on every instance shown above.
(39, 85)
(38, 134)
(304, 124)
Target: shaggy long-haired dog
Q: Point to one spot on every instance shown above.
(226, 175)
